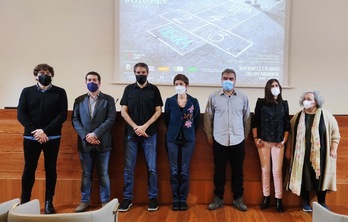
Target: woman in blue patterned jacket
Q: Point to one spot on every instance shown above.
(181, 118)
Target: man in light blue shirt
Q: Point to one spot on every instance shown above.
(227, 124)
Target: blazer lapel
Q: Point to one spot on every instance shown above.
(175, 102)
(186, 107)
(86, 105)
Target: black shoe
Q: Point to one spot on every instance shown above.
(279, 205)
(183, 206)
(125, 205)
(176, 206)
(324, 205)
(265, 203)
(49, 209)
(153, 204)
(306, 207)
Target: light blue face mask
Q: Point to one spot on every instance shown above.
(227, 85)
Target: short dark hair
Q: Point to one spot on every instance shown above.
(94, 74)
(229, 71)
(44, 67)
(141, 64)
(181, 77)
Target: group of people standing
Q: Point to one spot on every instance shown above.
(311, 138)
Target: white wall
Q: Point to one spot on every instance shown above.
(77, 36)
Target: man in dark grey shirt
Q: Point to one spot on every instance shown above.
(227, 124)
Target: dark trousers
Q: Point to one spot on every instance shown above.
(235, 155)
(32, 151)
(321, 196)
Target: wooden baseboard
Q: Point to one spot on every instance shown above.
(201, 171)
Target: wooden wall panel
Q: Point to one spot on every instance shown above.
(202, 167)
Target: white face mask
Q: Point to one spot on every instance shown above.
(180, 89)
(308, 104)
(275, 91)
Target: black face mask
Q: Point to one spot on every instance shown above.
(45, 80)
(141, 79)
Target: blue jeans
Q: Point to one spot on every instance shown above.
(179, 156)
(88, 159)
(149, 146)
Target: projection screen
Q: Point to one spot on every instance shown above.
(201, 38)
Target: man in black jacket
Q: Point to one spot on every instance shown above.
(42, 110)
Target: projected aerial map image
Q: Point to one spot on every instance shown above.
(202, 38)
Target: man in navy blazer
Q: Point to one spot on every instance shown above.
(93, 116)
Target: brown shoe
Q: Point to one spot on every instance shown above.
(82, 207)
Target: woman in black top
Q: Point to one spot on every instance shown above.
(270, 128)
